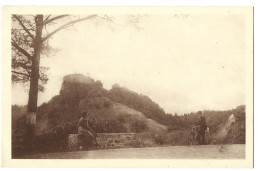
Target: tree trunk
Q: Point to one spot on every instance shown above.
(33, 92)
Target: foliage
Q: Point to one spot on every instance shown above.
(55, 140)
(59, 117)
(138, 102)
(23, 34)
(18, 118)
(138, 125)
(153, 111)
(107, 126)
(75, 96)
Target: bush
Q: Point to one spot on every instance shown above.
(173, 128)
(138, 125)
(107, 104)
(55, 140)
(159, 139)
(107, 126)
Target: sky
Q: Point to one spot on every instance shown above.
(184, 63)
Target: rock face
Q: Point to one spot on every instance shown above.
(231, 132)
(78, 82)
(79, 78)
(231, 119)
(223, 131)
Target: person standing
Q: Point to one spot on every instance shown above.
(202, 128)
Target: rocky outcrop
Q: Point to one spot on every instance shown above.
(232, 131)
(79, 92)
(79, 78)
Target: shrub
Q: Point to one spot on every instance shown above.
(107, 104)
(159, 139)
(138, 125)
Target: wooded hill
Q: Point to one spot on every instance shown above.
(121, 110)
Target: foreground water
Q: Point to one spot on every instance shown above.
(234, 151)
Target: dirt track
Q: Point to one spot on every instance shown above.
(235, 151)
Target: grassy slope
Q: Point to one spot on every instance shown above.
(151, 124)
(115, 111)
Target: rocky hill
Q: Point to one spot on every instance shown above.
(108, 112)
(120, 110)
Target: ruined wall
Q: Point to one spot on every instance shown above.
(105, 140)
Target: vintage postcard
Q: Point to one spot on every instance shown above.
(127, 87)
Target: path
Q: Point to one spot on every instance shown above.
(234, 151)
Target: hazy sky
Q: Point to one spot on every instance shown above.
(183, 62)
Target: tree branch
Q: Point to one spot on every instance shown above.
(16, 64)
(21, 50)
(47, 21)
(47, 18)
(21, 73)
(23, 26)
(66, 25)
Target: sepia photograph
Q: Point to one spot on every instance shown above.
(133, 83)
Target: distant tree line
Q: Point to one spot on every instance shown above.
(153, 111)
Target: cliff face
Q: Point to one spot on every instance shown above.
(79, 78)
(76, 78)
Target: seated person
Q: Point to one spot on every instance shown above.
(85, 130)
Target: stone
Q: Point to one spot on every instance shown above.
(78, 141)
(105, 140)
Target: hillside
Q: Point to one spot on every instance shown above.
(132, 112)
(79, 93)
(121, 110)
(232, 130)
(151, 125)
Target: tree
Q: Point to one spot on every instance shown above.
(30, 37)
